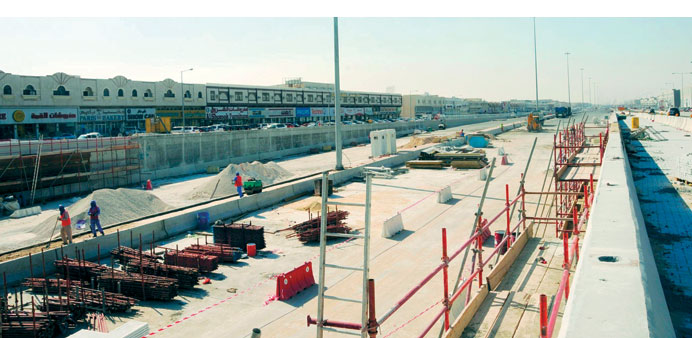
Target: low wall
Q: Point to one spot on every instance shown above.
(679, 122)
(185, 154)
(616, 290)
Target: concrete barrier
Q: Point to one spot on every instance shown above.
(616, 290)
(444, 195)
(392, 226)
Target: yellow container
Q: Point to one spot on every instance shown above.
(635, 122)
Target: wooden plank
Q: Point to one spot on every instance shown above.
(487, 313)
(510, 316)
(527, 276)
(495, 277)
(456, 329)
(529, 325)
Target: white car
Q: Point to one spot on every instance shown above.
(180, 130)
(89, 135)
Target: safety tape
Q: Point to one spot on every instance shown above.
(412, 319)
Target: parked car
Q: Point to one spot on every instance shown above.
(347, 123)
(218, 127)
(132, 131)
(180, 130)
(290, 125)
(89, 135)
(674, 112)
(65, 136)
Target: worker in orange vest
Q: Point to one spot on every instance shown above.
(66, 225)
(238, 180)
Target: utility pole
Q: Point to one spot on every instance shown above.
(337, 96)
(569, 96)
(590, 101)
(535, 61)
(582, 88)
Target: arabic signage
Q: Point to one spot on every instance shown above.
(224, 113)
(38, 115)
(189, 113)
(279, 112)
(302, 112)
(256, 112)
(115, 114)
(388, 109)
(318, 111)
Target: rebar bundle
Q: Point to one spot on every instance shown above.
(309, 231)
(78, 294)
(203, 263)
(224, 252)
(239, 235)
(16, 324)
(140, 286)
(137, 261)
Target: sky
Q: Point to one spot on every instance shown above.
(489, 58)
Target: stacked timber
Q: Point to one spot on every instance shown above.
(309, 231)
(239, 235)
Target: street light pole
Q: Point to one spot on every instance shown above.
(590, 101)
(569, 96)
(582, 88)
(337, 96)
(182, 95)
(535, 60)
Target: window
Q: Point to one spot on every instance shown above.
(366, 100)
(88, 92)
(212, 96)
(289, 97)
(121, 93)
(252, 97)
(169, 93)
(134, 93)
(188, 95)
(265, 97)
(360, 99)
(61, 91)
(106, 92)
(147, 93)
(199, 95)
(29, 90)
(238, 96)
(277, 97)
(309, 97)
(7, 90)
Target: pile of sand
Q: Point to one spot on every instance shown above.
(117, 205)
(222, 184)
(423, 140)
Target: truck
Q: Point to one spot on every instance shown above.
(563, 112)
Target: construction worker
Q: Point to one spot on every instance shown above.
(238, 180)
(94, 213)
(66, 225)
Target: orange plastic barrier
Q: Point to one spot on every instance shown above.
(290, 283)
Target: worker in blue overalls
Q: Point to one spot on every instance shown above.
(94, 213)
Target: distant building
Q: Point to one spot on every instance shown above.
(426, 104)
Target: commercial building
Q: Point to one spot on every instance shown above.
(62, 104)
(416, 105)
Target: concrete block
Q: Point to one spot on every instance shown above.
(26, 212)
(392, 226)
(444, 195)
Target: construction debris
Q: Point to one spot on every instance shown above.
(417, 141)
(309, 231)
(238, 235)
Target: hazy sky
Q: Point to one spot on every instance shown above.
(491, 58)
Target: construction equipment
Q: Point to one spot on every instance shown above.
(158, 125)
(535, 123)
(252, 186)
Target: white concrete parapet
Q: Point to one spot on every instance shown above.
(444, 195)
(616, 290)
(392, 226)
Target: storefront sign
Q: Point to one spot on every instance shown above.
(256, 112)
(279, 112)
(368, 111)
(302, 112)
(189, 113)
(220, 113)
(38, 115)
(139, 114)
(318, 111)
(388, 109)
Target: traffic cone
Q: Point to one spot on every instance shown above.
(149, 187)
(504, 160)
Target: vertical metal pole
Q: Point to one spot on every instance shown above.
(445, 260)
(582, 88)
(535, 60)
(569, 96)
(323, 248)
(372, 323)
(337, 96)
(366, 253)
(543, 313)
(480, 253)
(508, 220)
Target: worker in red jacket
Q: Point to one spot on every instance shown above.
(238, 180)
(66, 225)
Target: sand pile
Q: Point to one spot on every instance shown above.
(269, 173)
(423, 140)
(117, 205)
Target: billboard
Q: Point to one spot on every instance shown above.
(279, 112)
(302, 112)
(38, 115)
(255, 112)
(318, 112)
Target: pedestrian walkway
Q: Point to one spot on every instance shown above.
(666, 206)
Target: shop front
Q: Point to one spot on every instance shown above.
(234, 116)
(30, 123)
(194, 116)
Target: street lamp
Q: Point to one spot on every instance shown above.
(569, 97)
(182, 95)
(590, 101)
(582, 88)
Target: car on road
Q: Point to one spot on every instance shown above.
(674, 112)
(65, 136)
(132, 131)
(89, 135)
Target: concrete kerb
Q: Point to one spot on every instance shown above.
(616, 290)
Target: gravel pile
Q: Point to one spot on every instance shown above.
(222, 184)
(117, 205)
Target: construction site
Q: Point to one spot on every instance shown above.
(521, 227)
